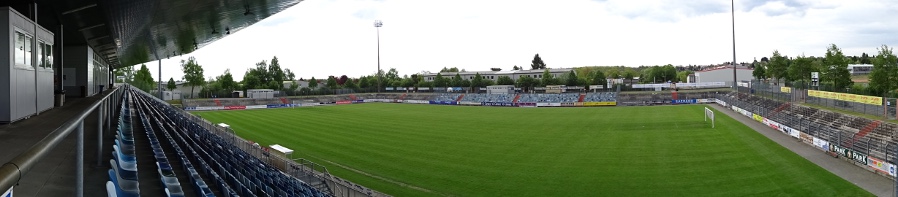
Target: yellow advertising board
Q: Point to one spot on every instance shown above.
(757, 117)
(593, 104)
(870, 100)
(786, 89)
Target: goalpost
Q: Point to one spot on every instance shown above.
(709, 114)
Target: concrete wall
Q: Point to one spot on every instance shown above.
(84, 72)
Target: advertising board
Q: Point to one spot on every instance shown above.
(821, 144)
(499, 104)
(683, 101)
(881, 166)
(525, 104)
(848, 153)
(593, 104)
(870, 100)
(570, 104)
(469, 103)
(234, 107)
(343, 102)
(443, 103)
(256, 107)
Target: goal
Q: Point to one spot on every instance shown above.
(709, 115)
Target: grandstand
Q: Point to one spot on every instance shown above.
(506, 98)
(549, 98)
(600, 97)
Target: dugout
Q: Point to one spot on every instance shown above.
(260, 93)
(500, 89)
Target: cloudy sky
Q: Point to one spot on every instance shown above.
(336, 37)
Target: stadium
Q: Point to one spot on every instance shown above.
(85, 135)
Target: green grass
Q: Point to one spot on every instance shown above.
(496, 151)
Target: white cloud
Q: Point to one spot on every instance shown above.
(335, 37)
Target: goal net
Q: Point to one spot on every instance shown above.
(709, 115)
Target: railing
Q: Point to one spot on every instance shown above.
(12, 171)
(304, 170)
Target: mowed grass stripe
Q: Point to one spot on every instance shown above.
(490, 151)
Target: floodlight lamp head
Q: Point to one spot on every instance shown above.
(378, 23)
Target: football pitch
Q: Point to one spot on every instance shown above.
(434, 150)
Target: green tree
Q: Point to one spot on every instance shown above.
(258, 77)
(276, 75)
(193, 74)
(127, 72)
(682, 76)
(456, 81)
(226, 81)
(537, 63)
(629, 77)
(777, 68)
(477, 81)
(171, 84)
(838, 63)
(331, 82)
(883, 78)
(439, 81)
(504, 80)
(453, 69)
(350, 84)
(760, 71)
(547, 79)
(364, 83)
(801, 69)
(598, 78)
(571, 79)
(515, 67)
(289, 74)
(526, 82)
(313, 83)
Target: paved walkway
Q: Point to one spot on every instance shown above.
(874, 183)
(55, 174)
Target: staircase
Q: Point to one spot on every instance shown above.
(284, 101)
(217, 102)
(864, 131)
(582, 97)
(460, 97)
(516, 97)
(352, 97)
(400, 97)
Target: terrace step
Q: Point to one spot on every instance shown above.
(217, 102)
(460, 97)
(284, 100)
(582, 97)
(516, 97)
(352, 97)
(403, 96)
(864, 131)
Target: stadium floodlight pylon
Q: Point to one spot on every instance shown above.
(709, 114)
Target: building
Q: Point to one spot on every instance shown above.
(860, 69)
(494, 75)
(723, 74)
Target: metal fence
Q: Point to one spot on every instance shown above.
(838, 129)
(13, 171)
(798, 92)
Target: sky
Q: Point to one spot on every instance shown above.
(321, 38)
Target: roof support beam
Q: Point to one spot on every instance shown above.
(79, 9)
(91, 27)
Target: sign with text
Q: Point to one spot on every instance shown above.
(594, 104)
(850, 154)
(870, 100)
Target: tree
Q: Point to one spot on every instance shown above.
(342, 80)
(801, 69)
(883, 78)
(313, 83)
(193, 74)
(629, 77)
(526, 82)
(453, 69)
(331, 82)
(289, 74)
(683, 76)
(504, 80)
(777, 68)
(439, 81)
(548, 79)
(515, 67)
(257, 78)
(865, 59)
(171, 84)
(127, 72)
(838, 63)
(598, 78)
(456, 81)
(537, 63)
(571, 79)
(477, 81)
(364, 83)
(226, 81)
(668, 73)
(275, 74)
(293, 86)
(760, 71)
(350, 84)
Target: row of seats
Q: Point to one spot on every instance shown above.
(549, 98)
(446, 97)
(230, 166)
(505, 98)
(600, 97)
(123, 173)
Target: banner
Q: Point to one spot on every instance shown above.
(234, 107)
(870, 100)
(821, 144)
(881, 166)
(786, 89)
(416, 101)
(568, 104)
(470, 103)
(683, 101)
(758, 118)
(358, 101)
(256, 107)
(500, 104)
(525, 104)
(443, 103)
(343, 102)
(721, 102)
(806, 138)
(606, 103)
(850, 154)
(548, 104)
(705, 100)
(378, 100)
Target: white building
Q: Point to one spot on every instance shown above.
(860, 69)
(723, 74)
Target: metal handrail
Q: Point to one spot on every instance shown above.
(12, 172)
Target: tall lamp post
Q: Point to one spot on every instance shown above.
(733, 18)
(377, 25)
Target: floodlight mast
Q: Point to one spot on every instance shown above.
(377, 25)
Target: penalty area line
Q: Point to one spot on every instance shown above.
(380, 178)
